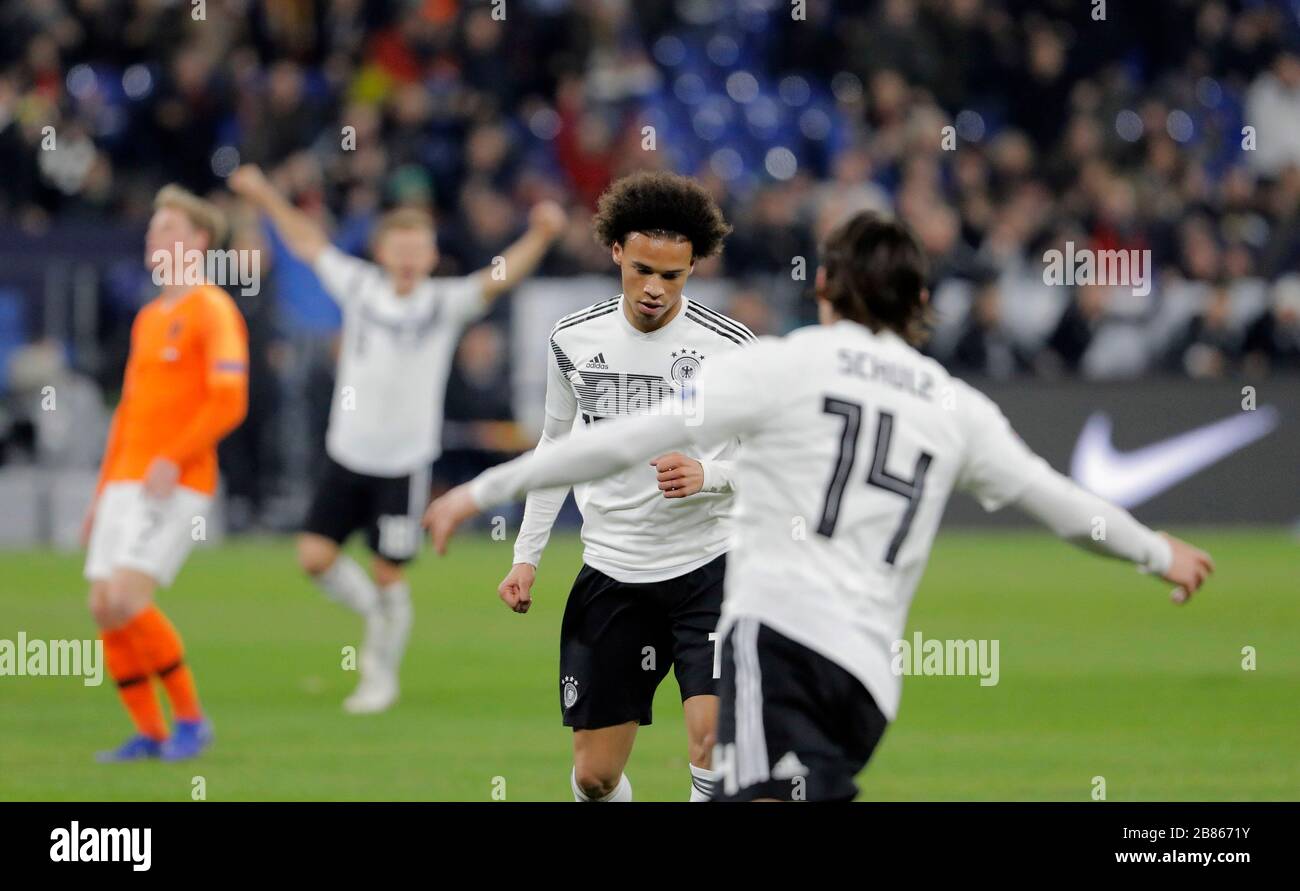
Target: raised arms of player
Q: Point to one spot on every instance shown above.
(545, 223)
(300, 233)
(1000, 469)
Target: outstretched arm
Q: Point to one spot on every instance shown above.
(612, 447)
(545, 223)
(1000, 469)
(302, 236)
(733, 399)
(1093, 523)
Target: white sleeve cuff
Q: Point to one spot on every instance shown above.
(1160, 555)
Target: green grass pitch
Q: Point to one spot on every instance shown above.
(1100, 676)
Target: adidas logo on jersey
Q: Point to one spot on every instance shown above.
(597, 361)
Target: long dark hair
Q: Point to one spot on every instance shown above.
(875, 275)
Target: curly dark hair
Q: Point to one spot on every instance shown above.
(659, 202)
(875, 275)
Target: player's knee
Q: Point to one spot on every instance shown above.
(101, 606)
(316, 555)
(594, 782)
(126, 594)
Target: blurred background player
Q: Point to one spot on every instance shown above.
(400, 330)
(186, 387)
(848, 426)
(650, 587)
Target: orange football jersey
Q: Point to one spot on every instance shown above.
(186, 387)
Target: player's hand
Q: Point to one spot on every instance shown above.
(549, 218)
(679, 476)
(1189, 570)
(516, 589)
(88, 521)
(161, 478)
(248, 181)
(445, 515)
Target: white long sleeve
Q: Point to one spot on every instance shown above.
(1091, 522)
(543, 505)
(719, 475)
(999, 469)
(540, 511)
(614, 446)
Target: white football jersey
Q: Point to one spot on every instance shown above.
(853, 442)
(601, 367)
(395, 357)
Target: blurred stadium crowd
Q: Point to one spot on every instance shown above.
(1126, 133)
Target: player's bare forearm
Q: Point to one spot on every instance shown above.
(301, 235)
(546, 222)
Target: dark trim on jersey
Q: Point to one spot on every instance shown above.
(586, 318)
(700, 320)
(724, 321)
(565, 363)
(600, 309)
(598, 305)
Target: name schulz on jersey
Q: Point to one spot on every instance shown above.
(76, 844)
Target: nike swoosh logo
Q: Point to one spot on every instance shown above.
(1130, 478)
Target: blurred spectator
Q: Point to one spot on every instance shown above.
(985, 348)
(1273, 340)
(479, 431)
(63, 408)
(1078, 325)
(1273, 109)
(1208, 346)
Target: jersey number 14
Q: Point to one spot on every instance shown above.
(877, 476)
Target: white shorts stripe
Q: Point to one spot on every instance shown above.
(418, 492)
(751, 740)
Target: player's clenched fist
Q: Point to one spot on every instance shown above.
(548, 217)
(679, 476)
(1190, 568)
(248, 181)
(516, 589)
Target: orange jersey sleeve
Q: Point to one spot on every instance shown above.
(186, 387)
(225, 348)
